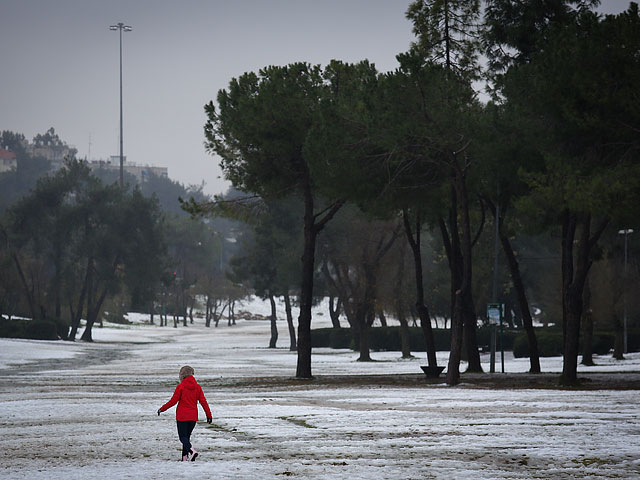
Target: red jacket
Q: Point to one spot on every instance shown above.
(187, 396)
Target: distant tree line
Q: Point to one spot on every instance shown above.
(76, 248)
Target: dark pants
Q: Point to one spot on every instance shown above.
(184, 432)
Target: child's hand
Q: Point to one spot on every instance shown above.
(159, 412)
(209, 419)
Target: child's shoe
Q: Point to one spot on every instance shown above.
(185, 458)
(194, 454)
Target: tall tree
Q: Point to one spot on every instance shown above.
(259, 130)
(267, 265)
(583, 78)
(447, 37)
(506, 146)
(514, 32)
(353, 257)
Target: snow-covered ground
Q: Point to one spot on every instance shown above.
(77, 411)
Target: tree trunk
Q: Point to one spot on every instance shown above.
(274, 327)
(573, 288)
(218, 315)
(232, 313)
(383, 319)
(523, 304)
(27, 290)
(292, 329)
(207, 312)
(450, 240)
(57, 282)
(587, 327)
(311, 229)
(421, 308)
(365, 313)
(363, 334)
(618, 343)
(573, 301)
(334, 313)
(469, 336)
(405, 344)
(303, 367)
(455, 354)
(75, 320)
(463, 318)
(92, 315)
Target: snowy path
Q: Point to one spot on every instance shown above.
(79, 411)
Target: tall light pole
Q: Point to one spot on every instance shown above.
(120, 27)
(626, 232)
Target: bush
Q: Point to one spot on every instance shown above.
(41, 330)
(12, 328)
(331, 338)
(508, 338)
(35, 330)
(380, 338)
(550, 343)
(114, 317)
(603, 343)
(388, 338)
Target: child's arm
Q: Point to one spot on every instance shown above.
(205, 405)
(173, 401)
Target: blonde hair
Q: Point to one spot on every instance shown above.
(185, 372)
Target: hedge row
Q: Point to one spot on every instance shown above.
(550, 343)
(388, 338)
(35, 330)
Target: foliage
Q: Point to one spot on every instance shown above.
(74, 241)
(260, 125)
(31, 329)
(515, 28)
(448, 33)
(551, 344)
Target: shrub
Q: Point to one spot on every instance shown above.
(550, 343)
(12, 328)
(508, 338)
(380, 338)
(35, 330)
(115, 317)
(41, 330)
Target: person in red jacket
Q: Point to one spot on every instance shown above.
(187, 395)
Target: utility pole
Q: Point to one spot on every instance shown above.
(626, 232)
(121, 27)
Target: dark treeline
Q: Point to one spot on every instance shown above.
(404, 179)
(75, 248)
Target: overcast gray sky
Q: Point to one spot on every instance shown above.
(59, 65)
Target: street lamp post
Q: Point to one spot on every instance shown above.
(120, 27)
(626, 232)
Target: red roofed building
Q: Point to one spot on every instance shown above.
(8, 161)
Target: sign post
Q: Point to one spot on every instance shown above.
(494, 314)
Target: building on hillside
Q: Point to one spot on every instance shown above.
(141, 172)
(8, 161)
(55, 154)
